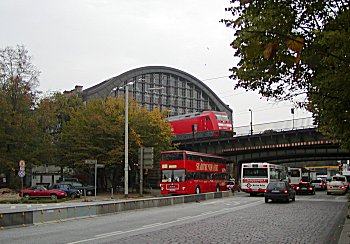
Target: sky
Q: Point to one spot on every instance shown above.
(85, 42)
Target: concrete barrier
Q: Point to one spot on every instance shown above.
(59, 213)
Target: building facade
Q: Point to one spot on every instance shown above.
(161, 87)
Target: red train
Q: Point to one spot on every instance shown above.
(201, 125)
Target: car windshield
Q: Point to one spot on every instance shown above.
(277, 185)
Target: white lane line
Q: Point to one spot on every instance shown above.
(167, 223)
(209, 203)
(152, 225)
(110, 234)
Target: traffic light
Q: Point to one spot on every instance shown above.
(340, 167)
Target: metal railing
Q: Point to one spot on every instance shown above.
(285, 125)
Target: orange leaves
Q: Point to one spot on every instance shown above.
(297, 46)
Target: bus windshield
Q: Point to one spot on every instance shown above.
(255, 172)
(295, 173)
(173, 175)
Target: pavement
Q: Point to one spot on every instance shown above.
(343, 239)
(345, 234)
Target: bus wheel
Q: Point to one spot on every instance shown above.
(217, 188)
(198, 190)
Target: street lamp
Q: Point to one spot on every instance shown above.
(126, 133)
(251, 121)
(292, 112)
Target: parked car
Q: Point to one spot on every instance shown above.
(71, 191)
(319, 184)
(279, 191)
(41, 191)
(337, 187)
(305, 188)
(232, 186)
(85, 189)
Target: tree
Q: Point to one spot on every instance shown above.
(19, 131)
(53, 112)
(97, 132)
(294, 49)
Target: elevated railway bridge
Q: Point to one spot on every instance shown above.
(296, 143)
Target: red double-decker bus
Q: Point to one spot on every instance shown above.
(186, 172)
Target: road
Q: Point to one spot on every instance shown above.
(237, 219)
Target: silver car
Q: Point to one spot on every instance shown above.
(337, 187)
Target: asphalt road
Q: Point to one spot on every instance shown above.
(237, 219)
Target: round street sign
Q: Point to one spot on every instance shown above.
(22, 164)
(21, 173)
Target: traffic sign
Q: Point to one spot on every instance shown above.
(21, 173)
(147, 158)
(91, 161)
(22, 163)
(100, 165)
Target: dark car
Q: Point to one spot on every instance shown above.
(41, 191)
(279, 191)
(305, 188)
(71, 191)
(85, 189)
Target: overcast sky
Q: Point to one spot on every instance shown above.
(84, 42)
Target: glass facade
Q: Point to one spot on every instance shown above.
(168, 92)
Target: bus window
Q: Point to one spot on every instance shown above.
(255, 172)
(172, 156)
(173, 175)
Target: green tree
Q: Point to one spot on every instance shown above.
(19, 131)
(52, 112)
(97, 132)
(296, 50)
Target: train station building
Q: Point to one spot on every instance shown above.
(160, 87)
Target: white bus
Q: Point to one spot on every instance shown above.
(256, 176)
(295, 175)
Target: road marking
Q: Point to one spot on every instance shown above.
(110, 234)
(209, 203)
(115, 233)
(152, 225)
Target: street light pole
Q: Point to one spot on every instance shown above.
(126, 166)
(251, 121)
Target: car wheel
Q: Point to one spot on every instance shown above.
(328, 193)
(26, 196)
(89, 193)
(266, 200)
(73, 195)
(287, 200)
(53, 196)
(239, 190)
(293, 199)
(198, 190)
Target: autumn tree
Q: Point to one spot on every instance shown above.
(18, 80)
(97, 132)
(52, 113)
(296, 49)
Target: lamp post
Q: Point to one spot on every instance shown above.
(251, 121)
(292, 112)
(126, 133)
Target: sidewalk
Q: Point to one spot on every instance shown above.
(345, 234)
